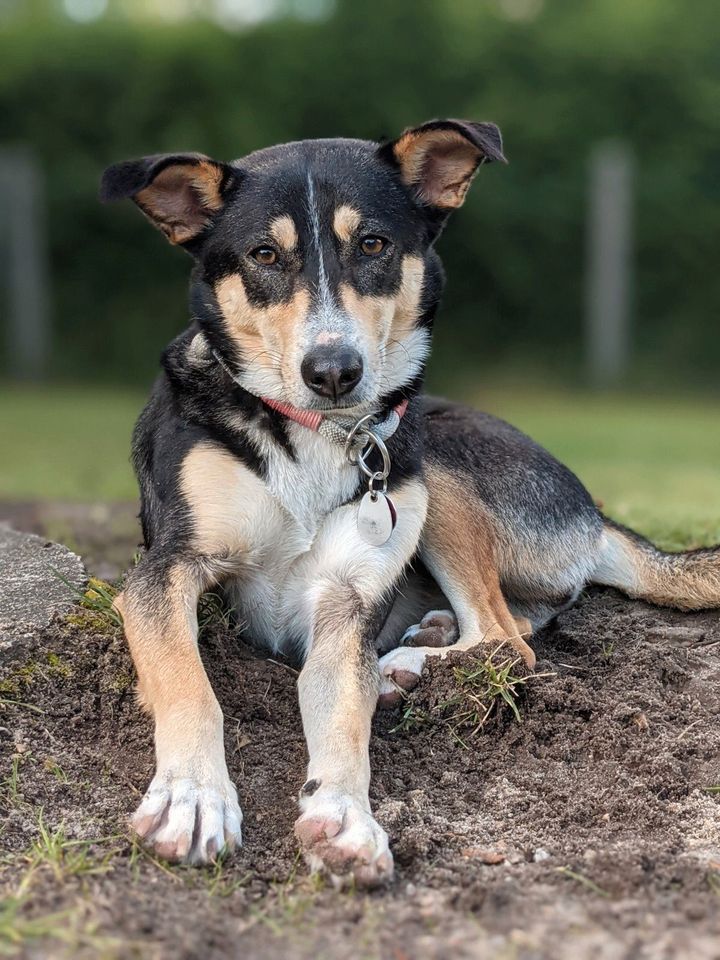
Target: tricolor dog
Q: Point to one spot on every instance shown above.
(287, 454)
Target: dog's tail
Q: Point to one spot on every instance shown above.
(686, 581)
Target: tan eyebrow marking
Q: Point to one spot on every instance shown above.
(283, 230)
(345, 222)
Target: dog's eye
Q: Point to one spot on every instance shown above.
(372, 246)
(264, 255)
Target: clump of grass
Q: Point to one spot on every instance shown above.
(53, 767)
(219, 883)
(411, 718)
(485, 687)
(10, 786)
(98, 599)
(17, 930)
(53, 850)
(213, 611)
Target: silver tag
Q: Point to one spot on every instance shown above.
(376, 518)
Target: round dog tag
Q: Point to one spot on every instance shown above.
(376, 518)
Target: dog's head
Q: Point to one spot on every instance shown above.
(315, 276)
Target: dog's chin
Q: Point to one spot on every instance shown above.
(358, 403)
(341, 407)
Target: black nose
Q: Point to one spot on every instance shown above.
(332, 371)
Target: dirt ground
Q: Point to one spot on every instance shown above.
(590, 829)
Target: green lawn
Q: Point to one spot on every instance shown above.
(654, 463)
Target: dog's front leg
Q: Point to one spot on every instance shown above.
(338, 688)
(190, 810)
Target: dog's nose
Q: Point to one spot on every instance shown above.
(332, 371)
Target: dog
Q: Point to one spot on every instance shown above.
(288, 456)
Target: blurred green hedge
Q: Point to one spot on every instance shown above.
(649, 72)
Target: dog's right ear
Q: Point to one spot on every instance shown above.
(180, 193)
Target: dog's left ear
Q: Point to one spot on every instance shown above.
(180, 193)
(439, 159)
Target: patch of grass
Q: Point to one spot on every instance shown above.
(652, 461)
(10, 786)
(18, 930)
(484, 688)
(122, 682)
(713, 789)
(608, 649)
(219, 882)
(212, 611)
(713, 879)
(53, 850)
(98, 600)
(67, 442)
(411, 718)
(53, 767)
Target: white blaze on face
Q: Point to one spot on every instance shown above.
(328, 321)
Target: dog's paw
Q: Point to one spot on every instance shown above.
(400, 671)
(185, 821)
(340, 837)
(438, 628)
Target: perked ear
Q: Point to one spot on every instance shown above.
(179, 193)
(440, 158)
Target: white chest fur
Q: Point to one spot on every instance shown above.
(315, 483)
(299, 496)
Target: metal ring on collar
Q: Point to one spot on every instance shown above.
(356, 431)
(376, 442)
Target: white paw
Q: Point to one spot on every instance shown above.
(400, 670)
(340, 836)
(184, 820)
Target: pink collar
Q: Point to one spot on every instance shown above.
(313, 419)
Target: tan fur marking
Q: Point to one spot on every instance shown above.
(161, 634)
(374, 313)
(265, 335)
(206, 179)
(463, 537)
(407, 302)
(181, 198)
(389, 317)
(345, 222)
(216, 487)
(284, 231)
(440, 163)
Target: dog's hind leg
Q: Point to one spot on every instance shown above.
(459, 550)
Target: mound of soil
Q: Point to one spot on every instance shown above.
(589, 829)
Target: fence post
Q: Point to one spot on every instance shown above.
(22, 205)
(609, 267)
